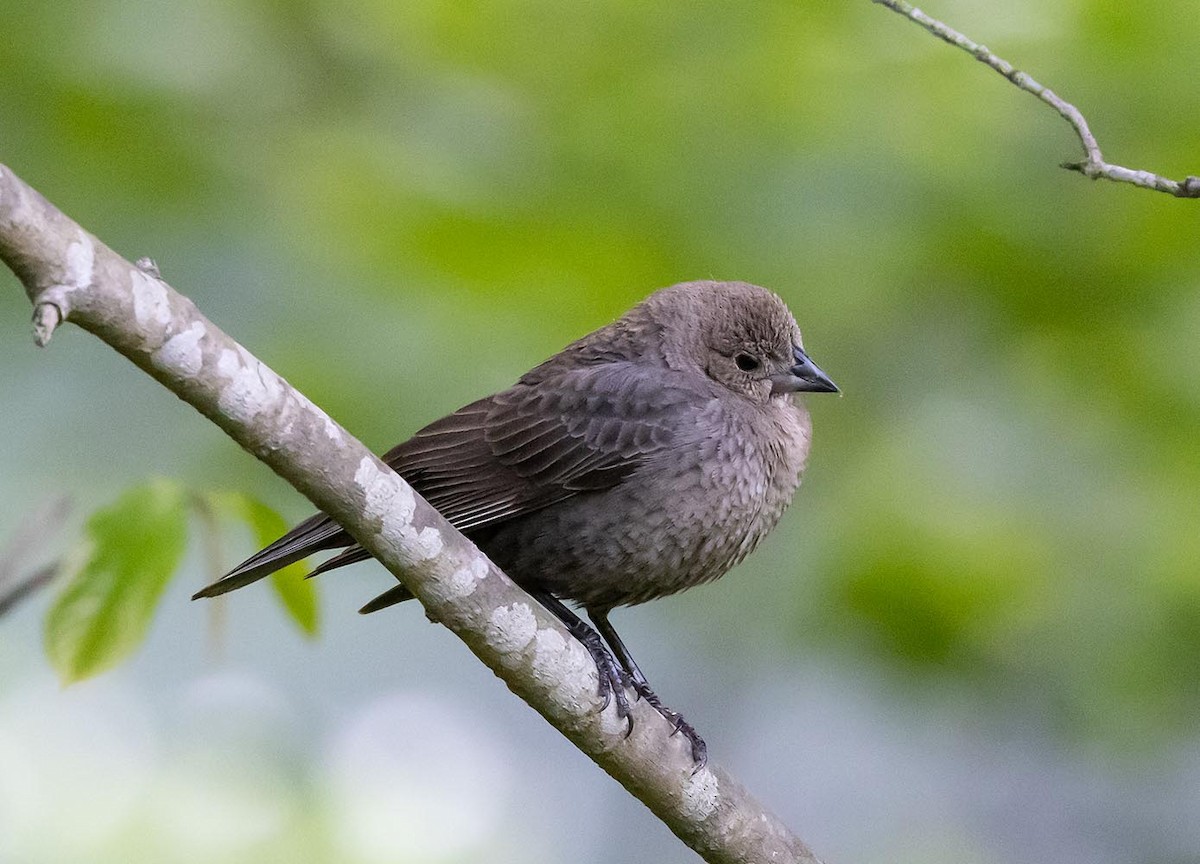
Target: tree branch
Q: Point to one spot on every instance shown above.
(1093, 164)
(70, 275)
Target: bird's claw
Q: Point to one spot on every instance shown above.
(613, 682)
(615, 679)
(699, 748)
(613, 690)
(678, 724)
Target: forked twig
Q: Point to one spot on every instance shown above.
(1093, 164)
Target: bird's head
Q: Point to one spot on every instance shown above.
(740, 335)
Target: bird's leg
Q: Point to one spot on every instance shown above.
(640, 684)
(642, 687)
(613, 678)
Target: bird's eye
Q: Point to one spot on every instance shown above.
(745, 362)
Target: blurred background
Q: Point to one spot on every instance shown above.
(975, 637)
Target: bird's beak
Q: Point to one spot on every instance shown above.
(805, 376)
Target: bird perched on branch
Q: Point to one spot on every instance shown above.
(647, 457)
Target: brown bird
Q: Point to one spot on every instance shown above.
(647, 457)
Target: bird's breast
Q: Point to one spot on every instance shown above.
(749, 471)
(685, 517)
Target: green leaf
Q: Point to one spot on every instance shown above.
(133, 548)
(297, 595)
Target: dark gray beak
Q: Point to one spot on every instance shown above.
(804, 377)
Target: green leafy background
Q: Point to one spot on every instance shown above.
(974, 638)
(132, 549)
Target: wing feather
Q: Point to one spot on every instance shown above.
(579, 430)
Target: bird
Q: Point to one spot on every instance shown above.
(647, 457)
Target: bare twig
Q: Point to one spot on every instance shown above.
(1093, 164)
(139, 315)
(24, 588)
(35, 531)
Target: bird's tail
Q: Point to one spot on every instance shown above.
(314, 534)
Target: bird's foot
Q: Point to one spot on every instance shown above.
(681, 726)
(613, 679)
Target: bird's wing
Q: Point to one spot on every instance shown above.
(535, 445)
(540, 442)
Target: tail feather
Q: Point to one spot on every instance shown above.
(390, 597)
(314, 534)
(351, 556)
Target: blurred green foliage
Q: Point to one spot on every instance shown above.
(132, 548)
(402, 206)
